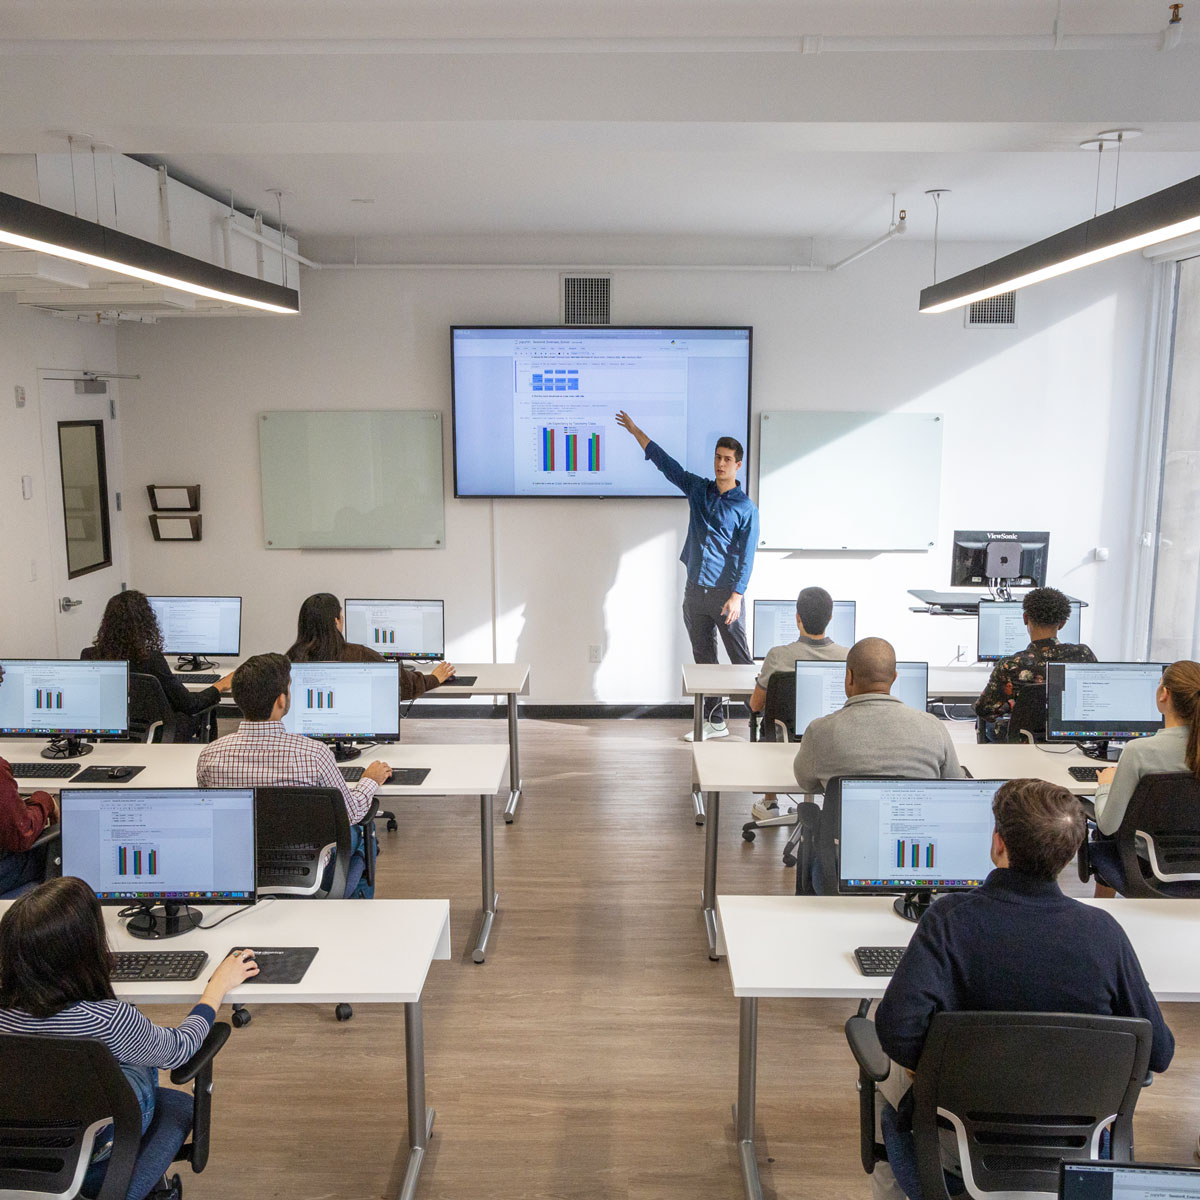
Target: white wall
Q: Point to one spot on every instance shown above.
(1040, 428)
(31, 341)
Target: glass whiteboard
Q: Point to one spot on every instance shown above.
(352, 480)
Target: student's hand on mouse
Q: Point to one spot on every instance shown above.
(380, 772)
(1106, 776)
(225, 683)
(443, 671)
(235, 968)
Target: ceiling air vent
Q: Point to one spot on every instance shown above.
(585, 299)
(995, 310)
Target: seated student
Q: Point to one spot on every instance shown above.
(55, 982)
(1045, 611)
(1013, 944)
(319, 638)
(129, 631)
(1174, 748)
(261, 753)
(814, 610)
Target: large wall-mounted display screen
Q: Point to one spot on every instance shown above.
(535, 409)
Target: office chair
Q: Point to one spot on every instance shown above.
(49, 841)
(1018, 1092)
(1028, 716)
(57, 1093)
(1165, 811)
(151, 717)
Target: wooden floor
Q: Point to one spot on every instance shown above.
(594, 1055)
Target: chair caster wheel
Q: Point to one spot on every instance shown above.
(241, 1018)
(748, 834)
(392, 826)
(789, 860)
(343, 1012)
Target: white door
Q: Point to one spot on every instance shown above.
(81, 453)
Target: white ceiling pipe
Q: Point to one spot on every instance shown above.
(231, 226)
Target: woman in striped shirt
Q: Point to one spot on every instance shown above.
(55, 968)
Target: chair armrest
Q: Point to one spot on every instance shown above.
(48, 836)
(864, 1045)
(218, 1035)
(1089, 807)
(370, 814)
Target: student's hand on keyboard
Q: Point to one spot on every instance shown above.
(224, 684)
(1106, 776)
(380, 772)
(443, 671)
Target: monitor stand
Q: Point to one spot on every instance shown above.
(194, 662)
(67, 747)
(162, 920)
(912, 906)
(1103, 750)
(344, 751)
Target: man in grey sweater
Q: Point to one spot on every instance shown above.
(874, 733)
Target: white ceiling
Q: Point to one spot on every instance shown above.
(644, 131)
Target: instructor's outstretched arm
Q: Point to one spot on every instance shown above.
(626, 422)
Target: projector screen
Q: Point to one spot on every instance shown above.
(535, 409)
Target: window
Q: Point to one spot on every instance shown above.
(85, 496)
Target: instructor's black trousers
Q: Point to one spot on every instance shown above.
(702, 618)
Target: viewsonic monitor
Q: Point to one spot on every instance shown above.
(1007, 558)
(196, 626)
(397, 628)
(915, 837)
(64, 699)
(345, 702)
(161, 850)
(535, 408)
(775, 624)
(1127, 1181)
(1102, 701)
(821, 689)
(1002, 629)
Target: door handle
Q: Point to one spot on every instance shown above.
(66, 604)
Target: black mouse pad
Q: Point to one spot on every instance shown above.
(100, 775)
(280, 964)
(408, 776)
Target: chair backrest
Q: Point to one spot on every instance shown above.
(1028, 713)
(296, 829)
(56, 1094)
(151, 717)
(1165, 810)
(780, 705)
(1023, 1092)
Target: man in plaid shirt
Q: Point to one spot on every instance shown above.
(263, 753)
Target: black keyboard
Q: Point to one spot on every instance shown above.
(44, 770)
(878, 960)
(461, 681)
(1084, 774)
(169, 965)
(401, 776)
(351, 774)
(197, 676)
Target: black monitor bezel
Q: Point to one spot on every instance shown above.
(965, 543)
(754, 621)
(202, 653)
(1059, 734)
(163, 898)
(395, 657)
(979, 654)
(387, 736)
(57, 734)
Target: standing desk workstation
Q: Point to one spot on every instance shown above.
(454, 771)
(509, 680)
(377, 953)
(767, 767)
(821, 933)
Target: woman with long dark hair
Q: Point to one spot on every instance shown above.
(319, 638)
(129, 631)
(56, 981)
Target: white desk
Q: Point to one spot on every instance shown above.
(1004, 761)
(455, 771)
(821, 932)
(377, 952)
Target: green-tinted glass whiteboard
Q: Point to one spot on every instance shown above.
(352, 480)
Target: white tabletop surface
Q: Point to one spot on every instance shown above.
(1016, 761)
(494, 678)
(371, 951)
(804, 945)
(732, 679)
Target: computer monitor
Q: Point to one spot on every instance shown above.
(775, 624)
(397, 628)
(1102, 702)
(1002, 631)
(161, 850)
(196, 626)
(821, 689)
(999, 559)
(65, 699)
(916, 837)
(345, 702)
(1127, 1181)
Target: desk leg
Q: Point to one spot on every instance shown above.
(420, 1118)
(514, 762)
(710, 873)
(747, 1077)
(490, 898)
(697, 731)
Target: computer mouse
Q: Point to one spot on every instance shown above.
(119, 772)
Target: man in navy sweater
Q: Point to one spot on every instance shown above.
(1014, 944)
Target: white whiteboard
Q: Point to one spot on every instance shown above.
(352, 480)
(849, 480)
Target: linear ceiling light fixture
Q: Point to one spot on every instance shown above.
(1168, 214)
(33, 226)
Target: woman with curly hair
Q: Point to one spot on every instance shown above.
(129, 631)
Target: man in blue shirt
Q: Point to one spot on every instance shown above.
(718, 554)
